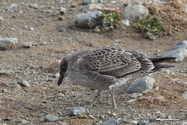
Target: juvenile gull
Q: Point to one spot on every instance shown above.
(107, 67)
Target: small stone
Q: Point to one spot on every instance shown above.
(152, 119)
(127, 121)
(35, 6)
(60, 18)
(7, 119)
(43, 43)
(102, 117)
(16, 86)
(4, 90)
(27, 44)
(56, 75)
(94, 123)
(145, 83)
(59, 95)
(31, 28)
(142, 123)
(74, 111)
(22, 121)
(169, 117)
(62, 10)
(183, 123)
(74, 5)
(117, 41)
(111, 122)
(184, 95)
(89, 1)
(50, 118)
(23, 83)
(6, 72)
(162, 115)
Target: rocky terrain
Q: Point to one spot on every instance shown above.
(36, 34)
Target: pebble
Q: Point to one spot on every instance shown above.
(22, 121)
(59, 95)
(145, 83)
(111, 122)
(23, 83)
(62, 10)
(94, 123)
(89, 1)
(16, 86)
(74, 111)
(4, 90)
(7, 119)
(6, 72)
(50, 118)
(184, 95)
(162, 115)
(152, 119)
(27, 44)
(35, 6)
(142, 123)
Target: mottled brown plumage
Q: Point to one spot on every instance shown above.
(107, 67)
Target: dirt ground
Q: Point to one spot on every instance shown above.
(35, 102)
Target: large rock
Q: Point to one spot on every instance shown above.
(181, 45)
(135, 13)
(180, 54)
(88, 20)
(92, 6)
(8, 43)
(145, 83)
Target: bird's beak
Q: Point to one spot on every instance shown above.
(60, 80)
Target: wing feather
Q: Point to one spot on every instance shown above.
(115, 61)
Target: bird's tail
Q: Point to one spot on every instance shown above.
(158, 66)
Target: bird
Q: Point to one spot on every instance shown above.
(108, 67)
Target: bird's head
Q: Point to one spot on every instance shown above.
(63, 69)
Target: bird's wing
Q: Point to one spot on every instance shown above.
(114, 61)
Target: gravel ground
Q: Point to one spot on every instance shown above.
(54, 39)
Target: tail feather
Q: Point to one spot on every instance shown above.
(160, 60)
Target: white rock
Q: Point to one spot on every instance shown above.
(8, 43)
(181, 45)
(27, 44)
(16, 86)
(184, 95)
(92, 6)
(23, 83)
(89, 1)
(179, 53)
(135, 13)
(145, 83)
(62, 10)
(35, 6)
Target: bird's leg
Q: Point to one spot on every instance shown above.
(113, 100)
(95, 99)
